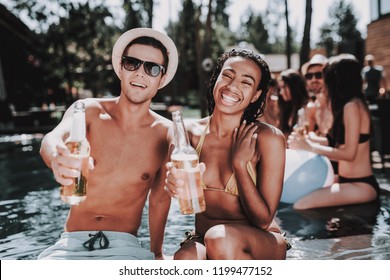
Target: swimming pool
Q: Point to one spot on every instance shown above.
(32, 215)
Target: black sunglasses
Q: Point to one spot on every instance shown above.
(317, 75)
(151, 68)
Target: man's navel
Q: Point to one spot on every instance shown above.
(145, 176)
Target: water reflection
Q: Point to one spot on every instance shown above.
(32, 216)
(330, 222)
(348, 232)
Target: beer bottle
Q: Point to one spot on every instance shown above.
(302, 126)
(78, 145)
(185, 159)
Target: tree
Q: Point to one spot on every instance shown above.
(78, 49)
(202, 44)
(221, 17)
(274, 15)
(148, 7)
(288, 36)
(253, 30)
(198, 38)
(305, 49)
(277, 14)
(76, 42)
(183, 33)
(340, 33)
(139, 13)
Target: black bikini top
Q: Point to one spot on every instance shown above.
(363, 137)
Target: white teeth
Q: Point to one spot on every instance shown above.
(229, 98)
(138, 85)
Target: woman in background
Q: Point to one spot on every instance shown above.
(271, 113)
(293, 96)
(349, 143)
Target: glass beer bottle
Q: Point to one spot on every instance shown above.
(78, 145)
(302, 126)
(185, 159)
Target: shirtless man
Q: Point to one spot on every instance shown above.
(129, 149)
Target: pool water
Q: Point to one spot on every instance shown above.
(32, 215)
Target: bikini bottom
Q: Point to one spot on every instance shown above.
(371, 180)
(193, 237)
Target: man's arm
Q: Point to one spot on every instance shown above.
(159, 204)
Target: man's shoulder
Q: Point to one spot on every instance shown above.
(99, 102)
(366, 69)
(374, 69)
(160, 120)
(378, 67)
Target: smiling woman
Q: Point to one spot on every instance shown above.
(243, 182)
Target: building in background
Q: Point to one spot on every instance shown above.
(21, 78)
(21, 81)
(378, 30)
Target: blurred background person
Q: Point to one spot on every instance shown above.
(271, 110)
(374, 79)
(293, 96)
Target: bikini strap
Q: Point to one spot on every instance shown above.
(202, 137)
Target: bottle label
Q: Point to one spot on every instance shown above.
(78, 131)
(191, 200)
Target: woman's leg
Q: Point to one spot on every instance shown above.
(336, 195)
(228, 242)
(191, 250)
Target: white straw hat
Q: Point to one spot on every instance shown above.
(132, 34)
(317, 59)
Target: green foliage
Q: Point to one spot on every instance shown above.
(263, 29)
(197, 39)
(184, 35)
(253, 30)
(77, 38)
(139, 13)
(78, 49)
(221, 18)
(340, 34)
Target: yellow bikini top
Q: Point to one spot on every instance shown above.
(231, 186)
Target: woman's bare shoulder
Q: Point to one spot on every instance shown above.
(271, 142)
(269, 137)
(353, 106)
(268, 130)
(196, 126)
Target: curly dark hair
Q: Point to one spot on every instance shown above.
(255, 109)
